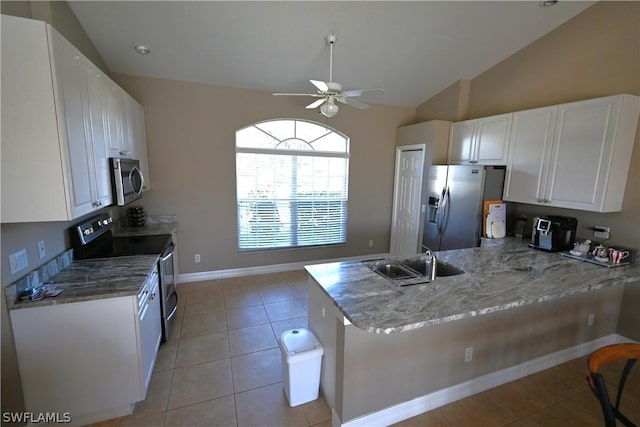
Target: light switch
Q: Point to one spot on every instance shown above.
(42, 252)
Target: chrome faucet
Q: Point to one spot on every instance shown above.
(432, 267)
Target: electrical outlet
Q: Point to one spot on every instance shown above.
(18, 261)
(601, 232)
(196, 258)
(468, 354)
(370, 243)
(590, 319)
(42, 252)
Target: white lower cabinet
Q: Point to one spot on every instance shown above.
(574, 155)
(90, 359)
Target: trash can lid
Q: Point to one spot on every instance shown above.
(299, 340)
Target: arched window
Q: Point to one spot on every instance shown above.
(292, 179)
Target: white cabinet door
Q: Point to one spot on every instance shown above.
(529, 153)
(149, 331)
(492, 140)
(139, 139)
(482, 141)
(71, 93)
(126, 144)
(461, 143)
(115, 121)
(582, 147)
(97, 88)
(80, 92)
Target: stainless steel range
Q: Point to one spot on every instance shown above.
(94, 238)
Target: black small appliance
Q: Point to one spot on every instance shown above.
(553, 233)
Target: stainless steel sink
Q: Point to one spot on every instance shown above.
(393, 271)
(410, 271)
(442, 268)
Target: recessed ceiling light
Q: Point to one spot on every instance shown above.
(547, 3)
(142, 49)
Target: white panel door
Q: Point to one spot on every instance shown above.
(407, 195)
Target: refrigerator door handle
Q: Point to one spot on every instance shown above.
(446, 209)
(443, 210)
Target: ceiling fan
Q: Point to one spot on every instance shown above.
(331, 92)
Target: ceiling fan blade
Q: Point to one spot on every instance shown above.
(316, 103)
(358, 92)
(315, 95)
(353, 103)
(322, 86)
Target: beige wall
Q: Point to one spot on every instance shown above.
(191, 145)
(450, 104)
(597, 53)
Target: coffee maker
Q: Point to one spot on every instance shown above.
(553, 233)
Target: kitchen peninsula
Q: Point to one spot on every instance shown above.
(394, 352)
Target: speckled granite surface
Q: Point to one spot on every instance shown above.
(496, 278)
(96, 279)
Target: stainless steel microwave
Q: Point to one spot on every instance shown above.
(126, 179)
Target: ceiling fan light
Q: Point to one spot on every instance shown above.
(329, 108)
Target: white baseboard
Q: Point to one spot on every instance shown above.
(419, 405)
(264, 269)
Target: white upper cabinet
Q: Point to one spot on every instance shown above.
(82, 131)
(480, 141)
(127, 130)
(60, 118)
(573, 155)
(139, 141)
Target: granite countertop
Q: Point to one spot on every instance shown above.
(496, 278)
(96, 279)
(155, 225)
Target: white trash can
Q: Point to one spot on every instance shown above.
(301, 361)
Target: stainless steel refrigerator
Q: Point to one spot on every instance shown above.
(454, 204)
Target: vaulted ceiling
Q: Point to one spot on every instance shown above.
(412, 49)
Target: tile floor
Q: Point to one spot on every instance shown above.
(222, 368)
